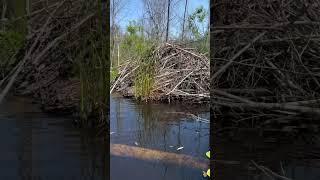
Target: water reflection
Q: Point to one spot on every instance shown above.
(160, 127)
(38, 146)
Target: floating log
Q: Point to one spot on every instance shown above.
(156, 155)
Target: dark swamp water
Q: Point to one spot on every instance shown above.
(265, 154)
(35, 145)
(159, 127)
(38, 146)
(250, 157)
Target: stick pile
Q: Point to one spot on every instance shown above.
(180, 73)
(265, 58)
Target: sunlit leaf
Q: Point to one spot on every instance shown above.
(208, 154)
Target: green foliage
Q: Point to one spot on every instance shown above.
(144, 77)
(114, 73)
(133, 28)
(92, 63)
(15, 9)
(93, 67)
(196, 18)
(135, 47)
(199, 36)
(202, 44)
(10, 43)
(134, 44)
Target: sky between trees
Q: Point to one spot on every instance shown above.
(134, 10)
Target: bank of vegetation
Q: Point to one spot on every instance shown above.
(150, 63)
(265, 64)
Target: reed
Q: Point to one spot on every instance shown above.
(94, 79)
(144, 78)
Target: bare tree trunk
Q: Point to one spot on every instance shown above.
(3, 15)
(112, 31)
(168, 20)
(118, 54)
(113, 23)
(184, 19)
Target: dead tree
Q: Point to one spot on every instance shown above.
(168, 20)
(156, 20)
(116, 7)
(184, 19)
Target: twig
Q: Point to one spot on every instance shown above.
(223, 68)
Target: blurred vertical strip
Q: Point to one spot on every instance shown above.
(105, 23)
(211, 140)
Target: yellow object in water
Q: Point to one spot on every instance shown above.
(206, 174)
(208, 154)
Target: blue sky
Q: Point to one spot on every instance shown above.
(133, 9)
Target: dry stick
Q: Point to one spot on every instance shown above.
(248, 103)
(267, 26)
(275, 174)
(223, 68)
(198, 85)
(205, 95)
(264, 169)
(246, 91)
(282, 170)
(216, 91)
(289, 82)
(119, 81)
(123, 71)
(180, 82)
(10, 73)
(167, 59)
(307, 102)
(271, 106)
(189, 52)
(6, 89)
(56, 40)
(300, 60)
(130, 72)
(156, 155)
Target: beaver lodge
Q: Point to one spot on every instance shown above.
(265, 64)
(170, 72)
